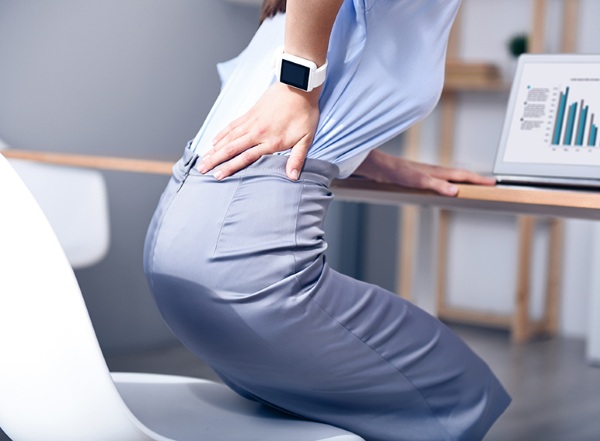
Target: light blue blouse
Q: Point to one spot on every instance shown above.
(385, 73)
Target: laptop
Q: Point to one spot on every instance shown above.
(551, 129)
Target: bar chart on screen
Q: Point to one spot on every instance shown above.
(556, 116)
(575, 123)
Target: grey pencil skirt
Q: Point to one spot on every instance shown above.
(238, 272)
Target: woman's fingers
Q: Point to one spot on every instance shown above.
(243, 160)
(297, 157)
(242, 152)
(459, 175)
(241, 147)
(454, 174)
(442, 187)
(228, 130)
(441, 179)
(239, 155)
(427, 181)
(229, 143)
(226, 152)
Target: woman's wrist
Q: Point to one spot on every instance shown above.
(311, 98)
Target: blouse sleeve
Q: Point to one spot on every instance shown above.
(387, 61)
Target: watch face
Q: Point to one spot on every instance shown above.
(294, 74)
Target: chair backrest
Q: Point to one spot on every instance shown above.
(75, 202)
(53, 376)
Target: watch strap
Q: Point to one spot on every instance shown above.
(320, 75)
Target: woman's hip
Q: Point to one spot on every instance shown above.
(248, 230)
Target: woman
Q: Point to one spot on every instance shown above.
(234, 254)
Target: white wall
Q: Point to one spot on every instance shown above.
(130, 78)
(483, 247)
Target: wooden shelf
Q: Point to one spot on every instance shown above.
(473, 76)
(467, 85)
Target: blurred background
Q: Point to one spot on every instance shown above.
(136, 79)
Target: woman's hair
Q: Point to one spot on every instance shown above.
(271, 8)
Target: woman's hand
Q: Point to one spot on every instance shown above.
(382, 167)
(284, 118)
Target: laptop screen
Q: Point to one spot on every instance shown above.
(553, 118)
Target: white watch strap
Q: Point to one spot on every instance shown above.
(320, 75)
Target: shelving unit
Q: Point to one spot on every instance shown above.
(519, 322)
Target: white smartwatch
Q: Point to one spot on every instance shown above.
(298, 72)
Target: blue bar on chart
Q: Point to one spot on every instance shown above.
(593, 133)
(570, 124)
(560, 117)
(581, 124)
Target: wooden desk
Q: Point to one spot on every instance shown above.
(517, 200)
(523, 200)
(520, 200)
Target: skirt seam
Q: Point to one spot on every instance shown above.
(296, 227)
(241, 179)
(156, 232)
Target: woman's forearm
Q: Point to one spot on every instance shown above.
(377, 166)
(308, 28)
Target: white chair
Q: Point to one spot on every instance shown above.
(54, 382)
(75, 201)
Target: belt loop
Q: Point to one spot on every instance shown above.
(189, 158)
(188, 161)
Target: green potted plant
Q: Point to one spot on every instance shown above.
(517, 44)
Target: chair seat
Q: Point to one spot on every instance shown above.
(192, 409)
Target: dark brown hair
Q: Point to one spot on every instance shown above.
(270, 8)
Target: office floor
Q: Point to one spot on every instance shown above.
(556, 394)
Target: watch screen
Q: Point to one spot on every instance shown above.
(294, 74)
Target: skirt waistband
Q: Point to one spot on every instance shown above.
(314, 170)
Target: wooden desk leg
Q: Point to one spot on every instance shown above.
(406, 250)
(448, 121)
(549, 325)
(442, 263)
(521, 324)
(408, 223)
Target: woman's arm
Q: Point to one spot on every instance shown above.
(382, 167)
(284, 117)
